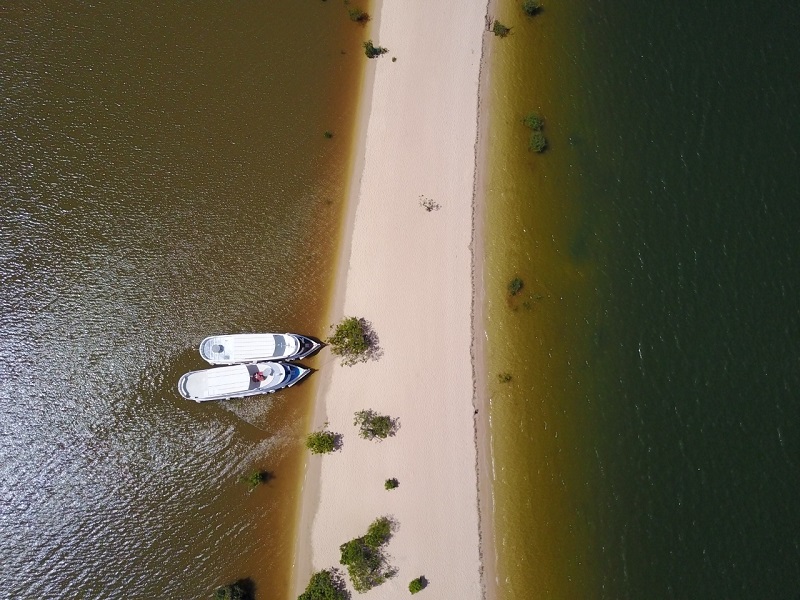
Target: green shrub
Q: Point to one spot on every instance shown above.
(324, 585)
(364, 558)
(357, 15)
(515, 286)
(372, 425)
(350, 340)
(417, 585)
(254, 479)
(534, 121)
(537, 141)
(235, 591)
(391, 484)
(531, 7)
(379, 532)
(499, 29)
(373, 51)
(321, 442)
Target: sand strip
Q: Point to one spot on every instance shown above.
(409, 271)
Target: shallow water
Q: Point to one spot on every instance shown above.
(646, 445)
(164, 177)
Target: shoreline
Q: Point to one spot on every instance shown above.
(461, 536)
(483, 434)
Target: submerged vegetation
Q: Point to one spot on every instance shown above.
(325, 585)
(256, 478)
(515, 286)
(499, 29)
(372, 425)
(364, 558)
(357, 15)
(537, 142)
(504, 377)
(239, 590)
(328, 135)
(531, 7)
(373, 51)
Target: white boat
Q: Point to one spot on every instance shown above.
(238, 381)
(255, 347)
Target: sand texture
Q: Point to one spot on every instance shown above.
(408, 271)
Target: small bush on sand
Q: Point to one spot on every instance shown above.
(321, 442)
(350, 340)
(364, 558)
(372, 425)
(417, 585)
(391, 484)
(325, 585)
(373, 51)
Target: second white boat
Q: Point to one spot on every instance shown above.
(238, 381)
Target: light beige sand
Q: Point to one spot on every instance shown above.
(409, 272)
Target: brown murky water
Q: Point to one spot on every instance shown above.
(164, 176)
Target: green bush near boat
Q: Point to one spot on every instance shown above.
(325, 585)
(373, 51)
(499, 29)
(321, 442)
(391, 484)
(350, 340)
(364, 558)
(417, 585)
(372, 425)
(531, 7)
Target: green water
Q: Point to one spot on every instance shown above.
(646, 445)
(164, 177)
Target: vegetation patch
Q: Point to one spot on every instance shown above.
(239, 590)
(357, 15)
(256, 478)
(323, 441)
(373, 51)
(499, 29)
(325, 585)
(515, 286)
(391, 484)
(504, 377)
(537, 142)
(328, 135)
(418, 584)
(429, 204)
(531, 7)
(364, 557)
(353, 340)
(372, 425)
